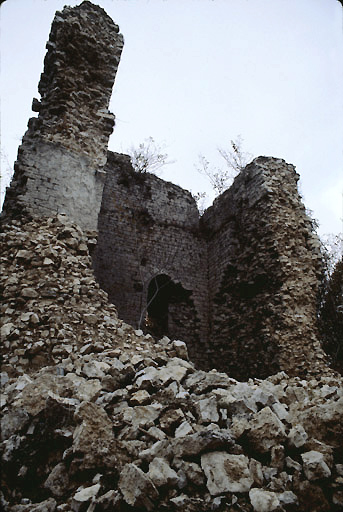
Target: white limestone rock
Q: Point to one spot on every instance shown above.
(314, 465)
(146, 378)
(256, 471)
(156, 433)
(84, 495)
(208, 410)
(137, 488)
(193, 472)
(280, 411)
(226, 472)
(140, 397)
(201, 442)
(94, 369)
(183, 429)
(170, 419)
(175, 370)
(288, 498)
(142, 415)
(94, 436)
(265, 430)
(87, 390)
(263, 501)
(297, 436)
(161, 473)
(292, 464)
(181, 349)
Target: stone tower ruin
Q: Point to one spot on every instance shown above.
(60, 162)
(239, 284)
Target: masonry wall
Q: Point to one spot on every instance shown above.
(60, 163)
(240, 286)
(147, 228)
(264, 271)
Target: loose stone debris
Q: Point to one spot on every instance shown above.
(99, 417)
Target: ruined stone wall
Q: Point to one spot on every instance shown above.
(240, 287)
(147, 228)
(264, 273)
(60, 162)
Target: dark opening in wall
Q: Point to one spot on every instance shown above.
(164, 304)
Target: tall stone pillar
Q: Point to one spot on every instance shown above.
(60, 163)
(265, 267)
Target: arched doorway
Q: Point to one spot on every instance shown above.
(170, 309)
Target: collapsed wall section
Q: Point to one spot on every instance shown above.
(60, 163)
(150, 257)
(264, 271)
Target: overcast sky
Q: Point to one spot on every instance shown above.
(195, 74)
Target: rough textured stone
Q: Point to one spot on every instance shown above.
(93, 437)
(85, 495)
(297, 436)
(137, 488)
(263, 501)
(265, 430)
(203, 280)
(161, 473)
(208, 410)
(314, 465)
(226, 472)
(60, 162)
(95, 411)
(161, 230)
(58, 480)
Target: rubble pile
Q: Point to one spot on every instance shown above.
(98, 416)
(52, 306)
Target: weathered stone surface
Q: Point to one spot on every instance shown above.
(60, 162)
(84, 496)
(141, 397)
(183, 429)
(265, 430)
(171, 419)
(226, 472)
(197, 443)
(208, 410)
(261, 195)
(314, 465)
(263, 501)
(180, 349)
(96, 413)
(93, 437)
(323, 421)
(193, 472)
(58, 480)
(161, 473)
(263, 286)
(13, 422)
(108, 430)
(297, 436)
(137, 488)
(142, 415)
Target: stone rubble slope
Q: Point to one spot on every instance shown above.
(99, 417)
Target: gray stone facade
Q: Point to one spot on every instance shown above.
(149, 228)
(247, 271)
